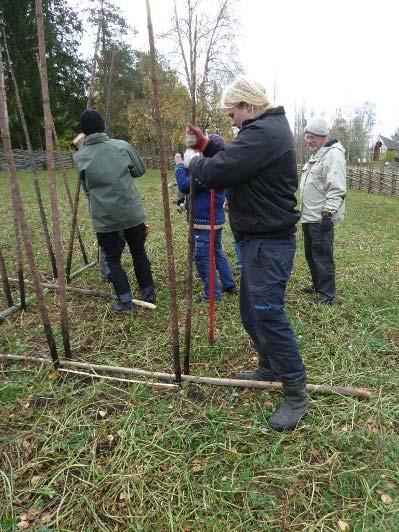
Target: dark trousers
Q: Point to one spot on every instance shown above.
(135, 238)
(319, 250)
(266, 268)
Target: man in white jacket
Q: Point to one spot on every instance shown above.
(323, 188)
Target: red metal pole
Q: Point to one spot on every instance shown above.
(212, 272)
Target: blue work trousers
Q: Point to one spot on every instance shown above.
(202, 262)
(266, 268)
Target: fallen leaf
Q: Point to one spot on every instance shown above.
(110, 439)
(343, 526)
(23, 525)
(386, 499)
(46, 517)
(33, 512)
(102, 413)
(35, 480)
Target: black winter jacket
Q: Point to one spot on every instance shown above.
(259, 169)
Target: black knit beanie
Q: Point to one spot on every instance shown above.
(91, 122)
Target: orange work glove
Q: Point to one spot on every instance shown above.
(195, 139)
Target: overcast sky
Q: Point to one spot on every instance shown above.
(327, 55)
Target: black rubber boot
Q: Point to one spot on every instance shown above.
(293, 407)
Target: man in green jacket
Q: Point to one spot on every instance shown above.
(107, 167)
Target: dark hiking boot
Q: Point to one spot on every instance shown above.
(120, 307)
(151, 298)
(308, 289)
(293, 407)
(325, 301)
(230, 290)
(258, 374)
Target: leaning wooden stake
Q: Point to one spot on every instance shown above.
(212, 381)
(165, 197)
(73, 206)
(32, 164)
(5, 281)
(5, 133)
(48, 122)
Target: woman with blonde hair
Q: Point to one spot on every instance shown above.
(259, 169)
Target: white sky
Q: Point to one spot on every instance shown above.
(327, 55)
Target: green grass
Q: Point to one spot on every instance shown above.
(82, 455)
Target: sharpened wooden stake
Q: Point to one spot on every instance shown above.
(17, 198)
(48, 123)
(165, 199)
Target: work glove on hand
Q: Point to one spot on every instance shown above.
(188, 155)
(326, 222)
(195, 138)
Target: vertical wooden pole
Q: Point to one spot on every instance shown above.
(5, 134)
(74, 209)
(5, 281)
(212, 271)
(165, 197)
(48, 121)
(36, 183)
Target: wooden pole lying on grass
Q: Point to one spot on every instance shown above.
(165, 198)
(213, 381)
(5, 281)
(85, 292)
(5, 133)
(48, 122)
(42, 212)
(10, 310)
(5, 313)
(155, 385)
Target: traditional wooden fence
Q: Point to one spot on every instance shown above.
(22, 160)
(374, 178)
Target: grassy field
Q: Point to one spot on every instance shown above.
(78, 455)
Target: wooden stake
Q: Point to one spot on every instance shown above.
(73, 206)
(5, 281)
(213, 381)
(32, 164)
(48, 122)
(165, 197)
(16, 194)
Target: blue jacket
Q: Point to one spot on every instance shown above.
(202, 200)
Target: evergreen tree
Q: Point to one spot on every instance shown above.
(67, 73)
